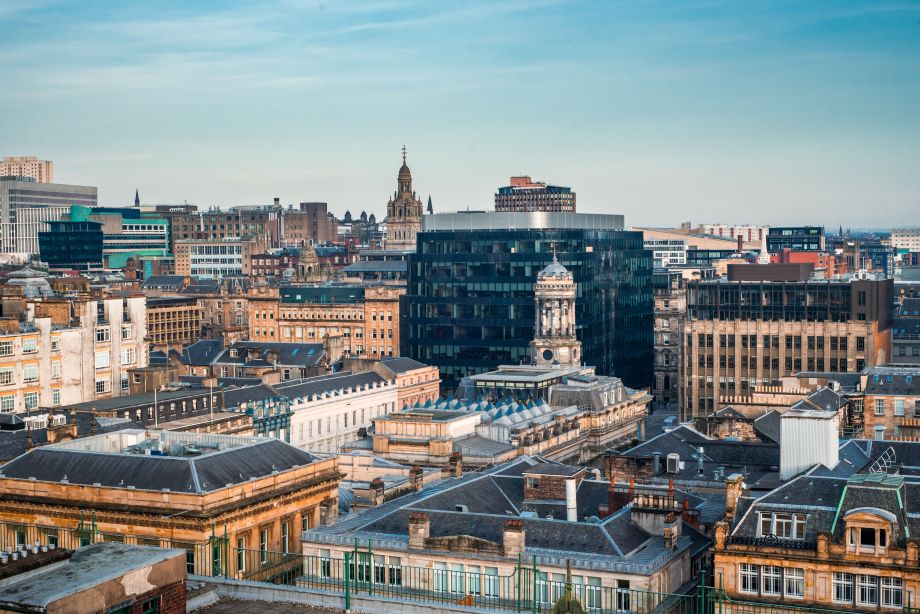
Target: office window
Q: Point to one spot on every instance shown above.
(55, 369)
(30, 373)
(794, 582)
(56, 396)
(866, 590)
(771, 580)
(55, 344)
(102, 334)
(749, 576)
(6, 376)
(29, 345)
(892, 592)
(102, 360)
(7, 403)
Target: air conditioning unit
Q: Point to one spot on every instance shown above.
(673, 463)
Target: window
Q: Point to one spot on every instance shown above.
(474, 586)
(899, 407)
(879, 407)
(325, 563)
(783, 525)
(285, 529)
(102, 360)
(241, 554)
(30, 373)
(533, 482)
(55, 344)
(457, 579)
(6, 376)
(439, 577)
(56, 396)
(892, 592)
(794, 582)
(126, 332)
(30, 400)
(128, 356)
(55, 369)
(102, 385)
(866, 590)
(6, 348)
(749, 578)
(490, 588)
(7, 403)
(771, 580)
(151, 606)
(103, 334)
(125, 384)
(263, 546)
(29, 345)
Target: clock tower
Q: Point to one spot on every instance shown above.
(555, 343)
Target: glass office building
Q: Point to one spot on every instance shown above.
(469, 305)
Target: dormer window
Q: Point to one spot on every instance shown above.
(868, 530)
(782, 525)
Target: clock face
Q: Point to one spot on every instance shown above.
(547, 354)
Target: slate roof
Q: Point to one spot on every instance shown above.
(759, 461)
(304, 388)
(827, 500)
(202, 353)
(289, 354)
(823, 399)
(909, 307)
(905, 326)
(900, 381)
(554, 469)
(768, 425)
(399, 364)
(234, 397)
(483, 445)
(13, 442)
(200, 474)
(491, 497)
(160, 282)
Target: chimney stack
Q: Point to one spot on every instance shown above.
(419, 529)
(733, 489)
(328, 511)
(513, 538)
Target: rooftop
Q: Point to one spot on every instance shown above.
(87, 568)
(157, 460)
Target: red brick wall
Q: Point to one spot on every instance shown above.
(172, 599)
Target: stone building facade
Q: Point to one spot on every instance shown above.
(365, 317)
(228, 501)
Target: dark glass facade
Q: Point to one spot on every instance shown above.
(470, 299)
(71, 245)
(795, 238)
(797, 301)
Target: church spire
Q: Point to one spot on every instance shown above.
(430, 206)
(137, 198)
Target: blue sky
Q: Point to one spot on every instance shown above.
(758, 112)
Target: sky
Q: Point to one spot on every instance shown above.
(710, 111)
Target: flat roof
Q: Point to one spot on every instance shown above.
(535, 220)
(89, 567)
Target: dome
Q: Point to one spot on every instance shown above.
(554, 269)
(404, 173)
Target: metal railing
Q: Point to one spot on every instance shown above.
(360, 573)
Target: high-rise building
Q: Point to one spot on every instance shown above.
(404, 212)
(796, 238)
(42, 171)
(765, 322)
(470, 297)
(525, 195)
(25, 206)
(216, 258)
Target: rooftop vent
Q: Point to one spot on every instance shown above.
(673, 463)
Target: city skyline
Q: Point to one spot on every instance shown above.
(779, 114)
